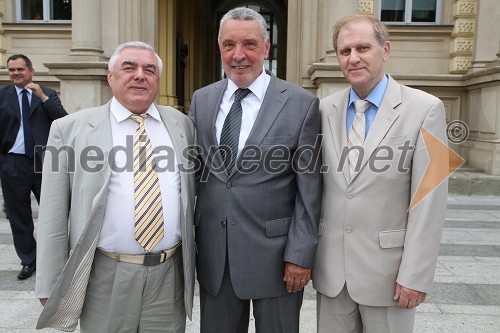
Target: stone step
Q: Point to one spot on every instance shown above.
(473, 183)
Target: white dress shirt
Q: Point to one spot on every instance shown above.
(117, 234)
(250, 104)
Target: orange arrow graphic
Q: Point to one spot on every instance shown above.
(443, 161)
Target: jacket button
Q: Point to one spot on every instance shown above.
(229, 185)
(223, 223)
(348, 230)
(349, 196)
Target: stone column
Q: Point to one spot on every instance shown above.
(86, 28)
(330, 12)
(324, 71)
(2, 40)
(83, 75)
(167, 51)
(487, 27)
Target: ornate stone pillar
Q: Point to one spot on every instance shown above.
(461, 47)
(2, 40)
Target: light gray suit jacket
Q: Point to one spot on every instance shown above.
(271, 216)
(72, 209)
(368, 238)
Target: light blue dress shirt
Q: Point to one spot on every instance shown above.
(375, 98)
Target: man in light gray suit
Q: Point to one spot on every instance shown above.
(377, 253)
(98, 259)
(258, 199)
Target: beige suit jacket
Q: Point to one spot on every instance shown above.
(72, 209)
(369, 239)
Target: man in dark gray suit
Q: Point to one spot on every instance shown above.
(259, 189)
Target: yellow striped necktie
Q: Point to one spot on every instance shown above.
(148, 227)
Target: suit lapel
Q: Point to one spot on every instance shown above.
(100, 135)
(35, 102)
(385, 118)
(337, 119)
(213, 111)
(274, 101)
(179, 140)
(14, 101)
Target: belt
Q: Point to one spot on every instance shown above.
(148, 259)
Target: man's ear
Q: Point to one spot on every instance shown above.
(109, 76)
(387, 50)
(268, 47)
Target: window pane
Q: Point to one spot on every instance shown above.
(60, 10)
(31, 9)
(424, 11)
(393, 10)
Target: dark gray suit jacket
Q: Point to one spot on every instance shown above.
(269, 207)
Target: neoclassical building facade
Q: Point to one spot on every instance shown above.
(449, 48)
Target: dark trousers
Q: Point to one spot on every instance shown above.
(226, 313)
(18, 181)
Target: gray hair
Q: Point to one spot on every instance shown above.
(245, 14)
(134, 45)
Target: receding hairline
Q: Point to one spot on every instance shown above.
(244, 14)
(380, 30)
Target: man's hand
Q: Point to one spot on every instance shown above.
(36, 90)
(408, 298)
(43, 301)
(296, 277)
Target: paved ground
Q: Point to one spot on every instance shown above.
(465, 298)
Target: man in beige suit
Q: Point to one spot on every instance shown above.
(96, 262)
(376, 257)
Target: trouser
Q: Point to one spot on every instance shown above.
(18, 181)
(226, 313)
(341, 314)
(125, 298)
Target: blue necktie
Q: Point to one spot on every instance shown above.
(29, 143)
(230, 134)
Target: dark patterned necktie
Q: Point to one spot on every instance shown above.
(230, 135)
(29, 143)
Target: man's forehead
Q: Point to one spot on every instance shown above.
(17, 63)
(137, 63)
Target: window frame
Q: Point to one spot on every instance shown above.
(46, 14)
(408, 12)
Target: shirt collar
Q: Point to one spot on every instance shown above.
(121, 113)
(18, 90)
(258, 87)
(376, 95)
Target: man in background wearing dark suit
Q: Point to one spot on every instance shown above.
(258, 204)
(26, 112)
